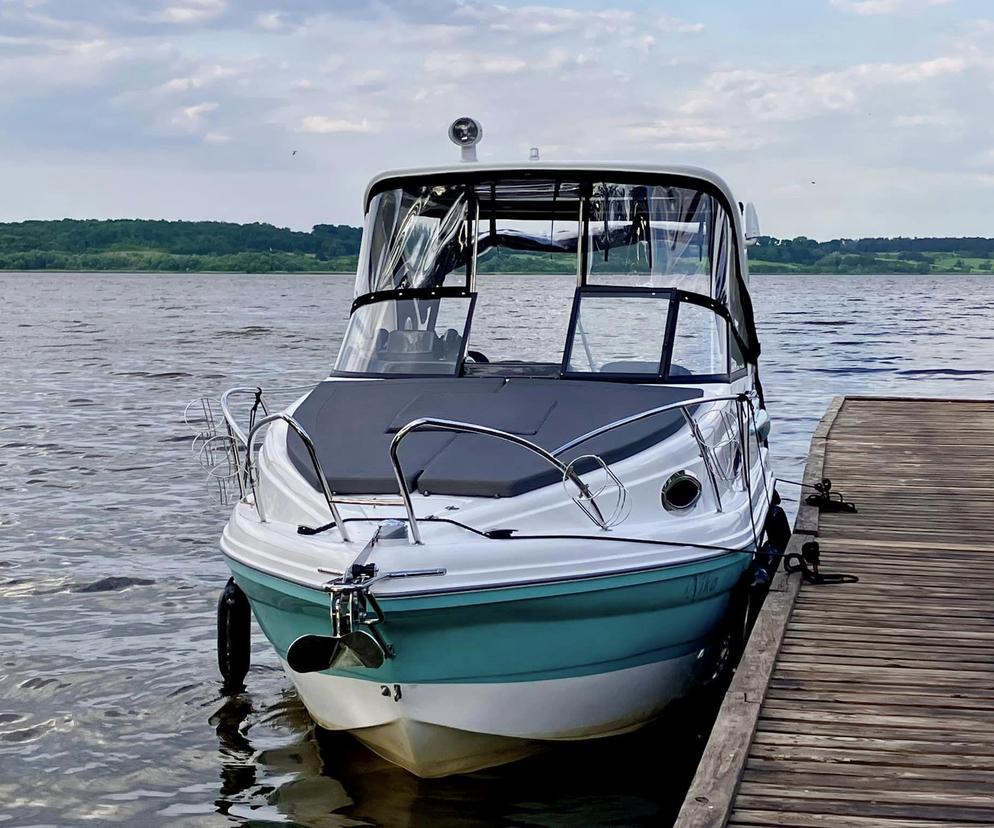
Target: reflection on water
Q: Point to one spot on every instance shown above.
(110, 706)
(315, 777)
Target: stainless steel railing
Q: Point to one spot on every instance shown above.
(247, 481)
(552, 457)
(470, 428)
(315, 462)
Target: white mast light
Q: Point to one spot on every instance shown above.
(466, 133)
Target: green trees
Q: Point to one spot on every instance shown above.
(195, 246)
(872, 255)
(177, 246)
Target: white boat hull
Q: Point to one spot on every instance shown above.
(441, 729)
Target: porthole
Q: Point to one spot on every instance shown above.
(680, 492)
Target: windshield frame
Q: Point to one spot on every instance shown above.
(407, 294)
(742, 315)
(675, 298)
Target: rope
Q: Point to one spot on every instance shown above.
(825, 500)
(513, 534)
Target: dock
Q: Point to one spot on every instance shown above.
(872, 703)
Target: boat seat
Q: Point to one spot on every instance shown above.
(353, 422)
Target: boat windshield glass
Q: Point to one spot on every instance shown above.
(416, 237)
(422, 236)
(654, 236)
(407, 336)
(619, 334)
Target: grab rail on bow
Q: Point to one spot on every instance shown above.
(552, 457)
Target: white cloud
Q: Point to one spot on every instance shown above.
(796, 95)
(203, 76)
(217, 138)
(324, 125)
(675, 24)
(550, 21)
(192, 117)
(465, 64)
(681, 135)
(931, 120)
(191, 11)
(872, 7)
(271, 21)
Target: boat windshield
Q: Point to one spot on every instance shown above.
(425, 241)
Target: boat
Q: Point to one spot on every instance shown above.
(461, 558)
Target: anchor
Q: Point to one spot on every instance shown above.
(355, 614)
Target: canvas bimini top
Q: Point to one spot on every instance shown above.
(650, 244)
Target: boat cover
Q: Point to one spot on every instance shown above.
(352, 423)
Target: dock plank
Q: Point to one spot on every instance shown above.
(873, 702)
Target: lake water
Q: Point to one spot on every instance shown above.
(110, 705)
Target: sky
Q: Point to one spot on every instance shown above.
(838, 118)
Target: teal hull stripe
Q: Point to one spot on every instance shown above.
(522, 633)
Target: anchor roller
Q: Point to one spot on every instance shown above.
(355, 613)
(351, 605)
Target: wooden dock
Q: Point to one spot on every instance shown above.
(872, 704)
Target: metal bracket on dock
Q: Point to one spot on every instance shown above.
(825, 500)
(807, 563)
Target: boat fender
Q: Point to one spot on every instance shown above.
(777, 528)
(741, 615)
(760, 581)
(234, 640)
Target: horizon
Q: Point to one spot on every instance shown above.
(839, 118)
(358, 226)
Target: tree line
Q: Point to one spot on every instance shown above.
(140, 244)
(873, 255)
(194, 246)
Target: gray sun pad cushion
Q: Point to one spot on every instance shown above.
(353, 422)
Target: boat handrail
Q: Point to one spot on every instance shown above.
(682, 406)
(471, 428)
(254, 390)
(552, 457)
(315, 462)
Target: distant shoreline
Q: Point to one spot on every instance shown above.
(351, 273)
(146, 246)
(136, 272)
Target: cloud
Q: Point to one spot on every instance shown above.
(192, 117)
(796, 95)
(551, 21)
(679, 135)
(191, 11)
(873, 7)
(271, 21)
(324, 125)
(204, 75)
(930, 120)
(675, 24)
(466, 64)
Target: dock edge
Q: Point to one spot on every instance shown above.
(709, 800)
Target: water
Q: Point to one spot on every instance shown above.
(110, 709)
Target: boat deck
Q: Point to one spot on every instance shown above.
(872, 704)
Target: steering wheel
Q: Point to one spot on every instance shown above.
(477, 356)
